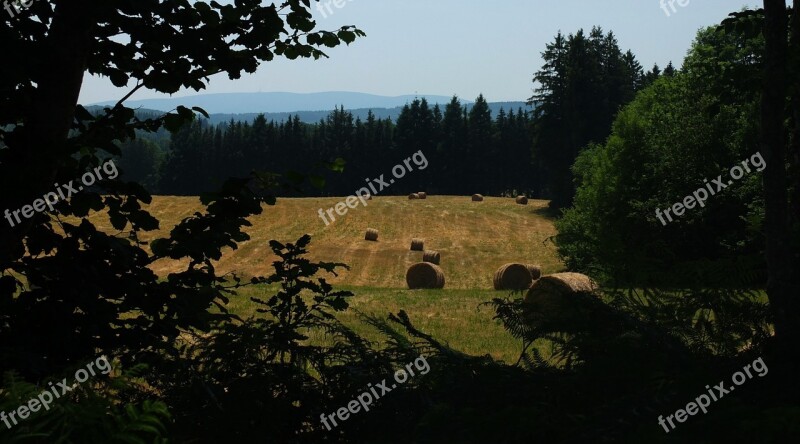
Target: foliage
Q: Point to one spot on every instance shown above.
(676, 133)
(636, 354)
(79, 289)
(225, 382)
(98, 411)
(583, 83)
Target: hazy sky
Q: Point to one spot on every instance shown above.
(462, 47)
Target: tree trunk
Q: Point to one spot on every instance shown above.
(48, 116)
(780, 289)
(794, 147)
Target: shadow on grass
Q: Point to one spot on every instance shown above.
(547, 213)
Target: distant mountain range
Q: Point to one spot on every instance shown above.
(310, 107)
(280, 102)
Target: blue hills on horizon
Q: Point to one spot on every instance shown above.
(280, 102)
(310, 107)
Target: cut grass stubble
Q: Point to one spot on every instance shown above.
(453, 317)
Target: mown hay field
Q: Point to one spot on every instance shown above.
(473, 238)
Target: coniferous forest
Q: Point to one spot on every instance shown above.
(201, 156)
(585, 78)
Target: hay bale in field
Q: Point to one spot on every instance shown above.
(369, 196)
(563, 299)
(535, 270)
(522, 200)
(561, 284)
(422, 195)
(477, 198)
(512, 277)
(372, 235)
(413, 196)
(425, 275)
(432, 257)
(571, 303)
(417, 244)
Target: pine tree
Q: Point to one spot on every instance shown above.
(453, 145)
(651, 76)
(580, 88)
(669, 71)
(482, 167)
(634, 71)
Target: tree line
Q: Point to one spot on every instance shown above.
(584, 82)
(469, 151)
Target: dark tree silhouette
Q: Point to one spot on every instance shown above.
(782, 261)
(67, 289)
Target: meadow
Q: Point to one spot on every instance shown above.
(474, 239)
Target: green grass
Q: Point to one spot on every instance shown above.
(453, 317)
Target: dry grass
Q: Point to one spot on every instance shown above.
(478, 239)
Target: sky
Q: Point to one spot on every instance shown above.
(460, 47)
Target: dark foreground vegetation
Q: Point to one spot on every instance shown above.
(598, 369)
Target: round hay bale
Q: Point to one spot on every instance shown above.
(417, 244)
(560, 284)
(535, 270)
(422, 195)
(561, 299)
(432, 257)
(522, 200)
(512, 277)
(425, 275)
(477, 198)
(413, 196)
(372, 235)
(369, 196)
